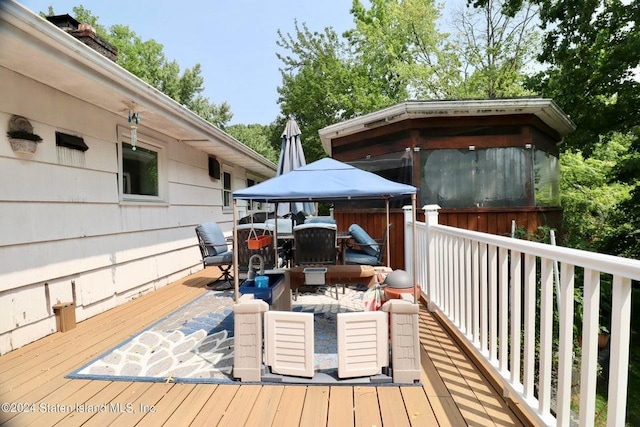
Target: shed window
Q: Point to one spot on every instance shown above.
(396, 166)
(491, 177)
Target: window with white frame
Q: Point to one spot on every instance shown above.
(142, 173)
(226, 189)
(253, 206)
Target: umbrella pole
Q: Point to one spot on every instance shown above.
(235, 251)
(388, 248)
(275, 234)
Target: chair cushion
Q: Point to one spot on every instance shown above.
(352, 256)
(367, 244)
(284, 225)
(212, 236)
(316, 225)
(319, 219)
(223, 258)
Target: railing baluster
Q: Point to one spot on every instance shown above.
(565, 335)
(516, 315)
(445, 275)
(450, 289)
(530, 287)
(503, 283)
(475, 277)
(493, 303)
(619, 356)
(467, 287)
(440, 278)
(589, 363)
(546, 332)
(484, 300)
(455, 282)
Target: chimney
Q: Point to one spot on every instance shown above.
(85, 33)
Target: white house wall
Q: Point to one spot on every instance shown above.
(65, 236)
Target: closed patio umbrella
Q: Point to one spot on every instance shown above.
(292, 157)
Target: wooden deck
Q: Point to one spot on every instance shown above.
(453, 391)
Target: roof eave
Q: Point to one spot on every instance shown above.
(129, 85)
(545, 109)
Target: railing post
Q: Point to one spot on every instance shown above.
(405, 340)
(408, 240)
(247, 353)
(431, 218)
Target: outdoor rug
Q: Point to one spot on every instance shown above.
(194, 344)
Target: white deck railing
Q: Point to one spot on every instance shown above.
(499, 292)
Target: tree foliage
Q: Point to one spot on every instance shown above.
(146, 60)
(395, 51)
(399, 44)
(257, 137)
(592, 52)
(589, 198)
(495, 50)
(315, 89)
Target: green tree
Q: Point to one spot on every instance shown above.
(257, 137)
(146, 60)
(320, 84)
(396, 51)
(589, 198)
(397, 46)
(592, 53)
(495, 50)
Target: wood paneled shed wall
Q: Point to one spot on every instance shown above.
(494, 221)
(514, 130)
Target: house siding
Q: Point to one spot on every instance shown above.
(66, 236)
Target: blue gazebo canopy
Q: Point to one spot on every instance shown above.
(324, 179)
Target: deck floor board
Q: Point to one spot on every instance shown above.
(453, 392)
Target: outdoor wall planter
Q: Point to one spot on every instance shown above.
(23, 145)
(21, 136)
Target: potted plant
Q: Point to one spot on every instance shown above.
(23, 142)
(21, 136)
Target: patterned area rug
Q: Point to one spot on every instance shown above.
(195, 343)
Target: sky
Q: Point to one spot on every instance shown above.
(234, 41)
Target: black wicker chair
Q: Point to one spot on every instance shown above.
(315, 244)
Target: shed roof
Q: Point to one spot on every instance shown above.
(543, 108)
